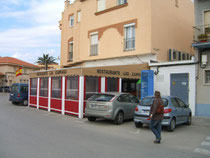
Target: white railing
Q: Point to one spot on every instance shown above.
(202, 33)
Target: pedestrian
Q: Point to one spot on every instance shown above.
(156, 117)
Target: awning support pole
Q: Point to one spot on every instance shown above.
(81, 96)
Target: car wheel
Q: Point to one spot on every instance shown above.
(14, 103)
(189, 120)
(92, 119)
(119, 118)
(138, 124)
(25, 102)
(172, 125)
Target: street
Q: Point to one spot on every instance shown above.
(30, 133)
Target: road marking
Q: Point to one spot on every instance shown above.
(202, 151)
(208, 138)
(205, 143)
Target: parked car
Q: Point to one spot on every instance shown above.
(175, 112)
(5, 89)
(19, 93)
(113, 106)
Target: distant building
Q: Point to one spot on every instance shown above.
(8, 67)
(50, 66)
(202, 47)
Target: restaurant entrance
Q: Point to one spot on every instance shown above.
(131, 86)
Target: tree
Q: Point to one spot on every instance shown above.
(46, 60)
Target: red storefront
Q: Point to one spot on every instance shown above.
(66, 90)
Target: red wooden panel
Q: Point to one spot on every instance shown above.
(56, 104)
(43, 102)
(33, 100)
(72, 106)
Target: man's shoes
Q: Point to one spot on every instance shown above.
(157, 141)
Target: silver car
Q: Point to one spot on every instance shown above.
(113, 106)
(175, 112)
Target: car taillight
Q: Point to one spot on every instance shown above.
(167, 111)
(136, 109)
(18, 95)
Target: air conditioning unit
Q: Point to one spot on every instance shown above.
(173, 55)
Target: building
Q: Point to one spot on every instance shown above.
(105, 44)
(53, 65)
(8, 67)
(202, 47)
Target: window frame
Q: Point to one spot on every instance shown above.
(92, 53)
(121, 2)
(70, 53)
(71, 20)
(32, 88)
(71, 89)
(56, 89)
(131, 25)
(91, 92)
(78, 16)
(44, 89)
(204, 77)
(101, 9)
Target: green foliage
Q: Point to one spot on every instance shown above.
(46, 60)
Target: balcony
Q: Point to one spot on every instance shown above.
(202, 37)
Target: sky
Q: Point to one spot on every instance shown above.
(29, 28)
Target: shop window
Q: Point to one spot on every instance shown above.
(33, 86)
(91, 86)
(44, 87)
(94, 44)
(112, 85)
(56, 87)
(207, 76)
(72, 88)
(129, 43)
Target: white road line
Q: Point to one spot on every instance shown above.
(202, 151)
(208, 138)
(205, 143)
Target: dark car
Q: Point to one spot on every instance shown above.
(175, 112)
(113, 106)
(19, 93)
(5, 89)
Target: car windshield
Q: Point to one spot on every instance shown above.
(101, 97)
(149, 101)
(14, 88)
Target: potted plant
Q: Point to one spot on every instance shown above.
(202, 37)
(207, 30)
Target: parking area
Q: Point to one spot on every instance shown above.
(28, 132)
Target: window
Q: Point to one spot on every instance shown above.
(181, 103)
(71, 21)
(120, 2)
(33, 86)
(78, 16)
(56, 87)
(44, 87)
(133, 99)
(71, 46)
(91, 86)
(207, 21)
(72, 88)
(174, 102)
(207, 76)
(112, 85)
(94, 45)
(24, 89)
(177, 3)
(101, 5)
(124, 98)
(129, 37)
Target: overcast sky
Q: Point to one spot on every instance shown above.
(29, 28)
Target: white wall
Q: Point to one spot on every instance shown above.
(162, 81)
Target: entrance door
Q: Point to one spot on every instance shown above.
(180, 86)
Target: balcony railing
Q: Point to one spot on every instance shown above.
(202, 33)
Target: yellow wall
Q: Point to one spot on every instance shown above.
(159, 25)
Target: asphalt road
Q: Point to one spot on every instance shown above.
(30, 133)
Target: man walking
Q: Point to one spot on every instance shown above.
(156, 117)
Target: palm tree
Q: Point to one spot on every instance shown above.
(46, 60)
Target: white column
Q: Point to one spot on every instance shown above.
(38, 89)
(120, 84)
(63, 94)
(49, 93)
(29, 89)
(81, 96)
(103, 84)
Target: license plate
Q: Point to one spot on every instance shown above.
(145, 112)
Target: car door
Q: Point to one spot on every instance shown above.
(125, 104)
(185, 112)
(134, 102)
(177, 110)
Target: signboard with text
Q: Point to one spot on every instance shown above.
(147, 83)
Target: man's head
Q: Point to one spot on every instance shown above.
(157, 94)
